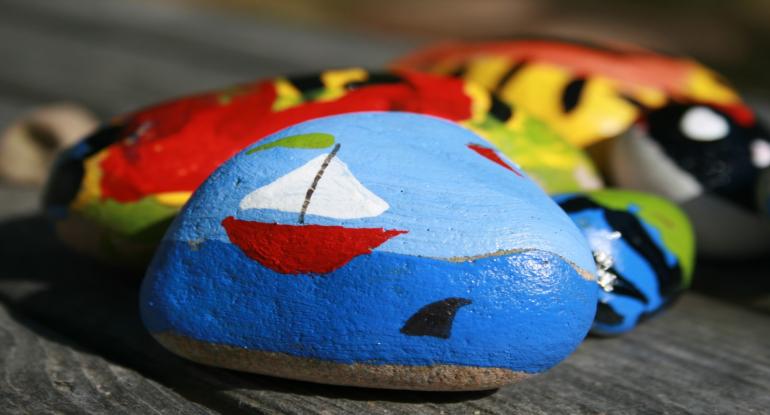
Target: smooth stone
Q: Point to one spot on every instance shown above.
(114, 194)
(377, 249)
(644, 250)
(29, 146)
(710, 163)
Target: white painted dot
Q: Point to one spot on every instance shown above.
(703, 124)
(760, 153)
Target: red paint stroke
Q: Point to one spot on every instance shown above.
(490, 154)
(303, 249)
(739, 113)
(176, 145)
(630, 66)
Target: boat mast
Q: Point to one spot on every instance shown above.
(317, 178)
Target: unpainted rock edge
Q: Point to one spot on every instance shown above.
(423, 378)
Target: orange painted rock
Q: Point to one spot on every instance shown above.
(587, 93)
(686, 134)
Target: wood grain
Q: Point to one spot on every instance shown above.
(115, 56)
(41, 373)
(704, 356)
(701, 357)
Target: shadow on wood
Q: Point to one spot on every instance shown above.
(700, 356)
(746, 283)
(98, 306)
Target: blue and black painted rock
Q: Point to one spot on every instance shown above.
(644, 250)
(384, 250)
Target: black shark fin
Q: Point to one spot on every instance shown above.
(435, 319)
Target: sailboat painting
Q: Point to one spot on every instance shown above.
(339, 195)
(324, 186)
(378, 249)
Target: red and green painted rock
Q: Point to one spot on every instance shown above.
(114, 194)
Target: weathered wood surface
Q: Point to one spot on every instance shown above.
(42, 372)
(115, 56)
(704, 356)
(701, 357)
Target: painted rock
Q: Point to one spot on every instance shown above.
(591, 94)
(713, 162)
(371, 250)
(114, 195)
(644, 249)
(587, 93)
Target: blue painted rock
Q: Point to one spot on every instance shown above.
(385, 250)
(644, 250)
(709, 159)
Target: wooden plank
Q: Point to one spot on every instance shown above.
(243, 37)
(16, 201)
(177, 28)
(104, 76)
(745, 283)
(115, 55)
(701, 357)
(15, 105)
(41, 373)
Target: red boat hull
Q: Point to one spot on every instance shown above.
(303, 249)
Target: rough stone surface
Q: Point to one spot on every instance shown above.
(374, 241)
(428, 378)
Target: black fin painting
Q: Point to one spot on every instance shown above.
(435, 319)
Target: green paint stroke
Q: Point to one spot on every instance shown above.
(128, 232)
(673, 225)
(131, 220)
(543, 154)
(311, 140)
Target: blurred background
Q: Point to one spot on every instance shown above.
(113, 56)
(117, 55)
(731, 36)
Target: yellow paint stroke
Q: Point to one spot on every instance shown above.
(600, 114)
(287, 95)
(335, 82)
(487, 71)
(173, 199)
(704, 85)
(90, 187)
(480, 101)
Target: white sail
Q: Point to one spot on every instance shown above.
(338, 193)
